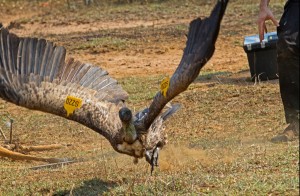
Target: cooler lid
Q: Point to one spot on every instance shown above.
(252, 42)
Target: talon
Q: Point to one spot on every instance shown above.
(152, 157)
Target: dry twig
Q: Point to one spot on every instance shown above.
(3, 134)
(19, 156)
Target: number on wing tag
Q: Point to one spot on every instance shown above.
(164, 86)
(71, 104)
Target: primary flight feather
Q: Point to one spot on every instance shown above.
(34, 74)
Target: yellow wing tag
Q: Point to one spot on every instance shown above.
(71, 104)
(164, 86)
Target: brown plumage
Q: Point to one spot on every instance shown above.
(34, 74)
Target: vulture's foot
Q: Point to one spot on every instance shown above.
(138, 151)
(152, 157)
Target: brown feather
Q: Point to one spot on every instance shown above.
(40, 78)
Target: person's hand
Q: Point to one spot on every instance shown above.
(265, 14)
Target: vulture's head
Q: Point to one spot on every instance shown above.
(125, 115)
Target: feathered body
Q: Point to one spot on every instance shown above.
(35, 74)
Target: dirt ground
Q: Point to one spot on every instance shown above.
(225, 116)
(153, 56)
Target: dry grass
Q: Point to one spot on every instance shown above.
(219, 142)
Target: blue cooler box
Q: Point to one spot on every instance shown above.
(262, 57)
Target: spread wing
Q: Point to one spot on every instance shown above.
(34, 74)
(199, 49)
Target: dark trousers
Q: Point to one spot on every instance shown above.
(288, 60)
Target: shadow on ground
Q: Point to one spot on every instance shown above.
(91, 187)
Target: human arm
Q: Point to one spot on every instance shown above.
(264, 14)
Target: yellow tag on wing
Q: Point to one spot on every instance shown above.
(71, 104)
(164, 86)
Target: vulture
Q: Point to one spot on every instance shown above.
(35, 74)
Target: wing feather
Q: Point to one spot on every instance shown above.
(65, 70)
(24, 57)
(3, 47)
(88, 77)
(38, 77)
(35, 74)
(40, 48)
(75, 69)
(31, 58)
(45, 56)
(79, 73)
(19, 55)
(12, 51)
(58, 59)
(200, 47)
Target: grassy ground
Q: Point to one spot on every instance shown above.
(219, 142)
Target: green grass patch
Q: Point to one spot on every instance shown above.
(97, 45)
(141, 89)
